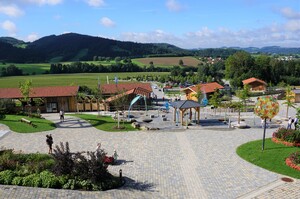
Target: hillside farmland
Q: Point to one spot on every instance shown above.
(167, 61)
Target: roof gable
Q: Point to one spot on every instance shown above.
(206, 88)
(115, 88)
(253, 79)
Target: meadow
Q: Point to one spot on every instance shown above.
(87, 79)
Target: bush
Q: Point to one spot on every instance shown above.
(295, 157)
(49, 180)
(63, 160)
(289, 135)
(32, 180)
(6, 176)
(17, 181)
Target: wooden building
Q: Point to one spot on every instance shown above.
(206, 89)
(255, 84)
(54, 98)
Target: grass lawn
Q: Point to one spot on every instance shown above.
(272, 158)
(13, 122)
(87, 79)
(104, 123)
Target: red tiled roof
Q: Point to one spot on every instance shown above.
(206, 88)
(253, 79)
(137, 91)
(113, 88)
(53, 91)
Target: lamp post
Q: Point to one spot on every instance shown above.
(266, 108)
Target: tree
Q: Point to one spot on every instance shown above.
(26, 89)
(120, 101)
(180, 62)
(244, 94)
(97, 93)
(239, 66)
(198, 94)
(289, 99)
(215, 100)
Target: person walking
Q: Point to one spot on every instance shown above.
(290, 122)
(49, 141)
(295, 122)
(61, 115)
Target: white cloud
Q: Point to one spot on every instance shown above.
(32, 37)
(293, 25)
(173, 5)
(289, 13)
(95, 3)
(10, 10)
(44, 2)
(285, 35)
(10, 27)
(107, 22)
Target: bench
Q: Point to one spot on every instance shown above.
(27, 122)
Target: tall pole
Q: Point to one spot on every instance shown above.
(265, 125)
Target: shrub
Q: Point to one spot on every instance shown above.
(63, 160)
(295, 157)
(17, 181)
(289, 135)
(32, 180)
(7, 160)
(6, 176)
(49, 180)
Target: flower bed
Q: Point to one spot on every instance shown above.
(290, 163)
(278, 141)
(293, 161)
(288, 137)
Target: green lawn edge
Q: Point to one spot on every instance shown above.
(272, 158)
(14, 124)
(104, 123)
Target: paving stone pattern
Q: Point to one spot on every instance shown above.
(192, 163)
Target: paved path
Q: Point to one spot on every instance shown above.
(194, 163)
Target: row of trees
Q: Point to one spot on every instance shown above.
(242, 65)
(11, 70)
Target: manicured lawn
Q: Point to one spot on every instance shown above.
(272, 158)
(13, 122)
(104, 123)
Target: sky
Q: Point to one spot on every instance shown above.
(185, 23)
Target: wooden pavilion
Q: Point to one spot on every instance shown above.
(185, 105)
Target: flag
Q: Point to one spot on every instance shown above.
(98, 83)
(116, 80)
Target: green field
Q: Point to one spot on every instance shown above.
(39, 68)
(87, 79)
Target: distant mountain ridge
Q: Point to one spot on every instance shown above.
(78, 47)
(270, 50)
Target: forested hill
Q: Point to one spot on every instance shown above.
(74, 47)
(77, 47)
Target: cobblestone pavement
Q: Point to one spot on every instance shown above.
(183, 163)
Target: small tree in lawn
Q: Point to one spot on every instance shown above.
(26, 89)
(215, 100)
(289, 99)
(120, 100)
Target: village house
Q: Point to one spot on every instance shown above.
(207, 89)
(256, 85)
